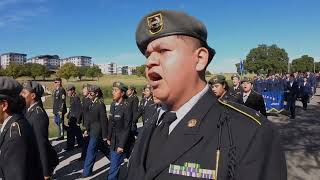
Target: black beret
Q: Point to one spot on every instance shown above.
(132, 87)
(246, 79)
(9, 88)
(121, 86)
(94, 88)
(71, 87)
(34, 87)
(217, 79)
(166, 23)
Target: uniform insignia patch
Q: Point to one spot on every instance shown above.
(155, 23)
(15, 127)
(192, 123)
(63, 96)
(192, 170)
(117, 116)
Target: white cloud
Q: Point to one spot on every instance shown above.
(14, 13)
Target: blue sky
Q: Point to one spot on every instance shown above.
(105, 29)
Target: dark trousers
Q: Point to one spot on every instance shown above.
(292, 106)
(115, 161)
(130, 143)
(73, 131)
(305, 99)
(85, 147)
(94, 145)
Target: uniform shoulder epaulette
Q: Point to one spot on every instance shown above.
(39, 109)
(15, 128)
(252, 114)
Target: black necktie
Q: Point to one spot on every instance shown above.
(159, 137)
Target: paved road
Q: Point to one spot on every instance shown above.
(300, 139)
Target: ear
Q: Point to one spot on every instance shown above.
(202, 58)
(4, 105)
(33, 95)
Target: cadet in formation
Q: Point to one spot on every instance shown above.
(220, 88)
(146, 101)
(74, 117)
(96, 129)
(250, 98)
(39, 121)
(133, 103)
(196, 135)
(19, 153)
(236, 89)
(59, 107)
(119, 128)
(292, 90)
(86, 102)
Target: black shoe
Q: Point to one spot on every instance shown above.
(59, 138)
(68, 149)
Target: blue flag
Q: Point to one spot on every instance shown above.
(241, 66)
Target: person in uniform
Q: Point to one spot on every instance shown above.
(196, 135)
(144, 103)
(250, 98)
(96, 128)
(292, 90)
(119, 128)
(74, 117)
(19, 153)
(86, 102)
(39, 121)
(133, 103)
(220, 88)
(235, 90)
(306, 92)
(59, 107)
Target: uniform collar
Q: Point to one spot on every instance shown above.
(5, 122)
(31, 106)
(184, 109)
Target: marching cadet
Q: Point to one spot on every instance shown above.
(19, 154)
(145, 102)
(306, 91)
(86, 102)
(59, 107)
(235, 90)
(196, 135)
(39, 121)
(250, 98)
(96, 128)
(119, 128)
(220, 88)
(74, 116)
(292, 90)
(133, 103)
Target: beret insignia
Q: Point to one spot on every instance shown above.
(155, 23)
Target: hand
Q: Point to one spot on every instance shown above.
(85, 133)
(119, 150)
(78, 125)
(109, 142)
(46, 177)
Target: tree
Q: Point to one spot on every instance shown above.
(2, 73)
(270, 59)
(317, 67)
(33, 70)
(302, 64)
(14, 70)
(82, 72)
(141, 71)
(208, 73)
(67, 71)
(94, 71)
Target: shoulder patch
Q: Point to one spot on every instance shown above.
(255, 116)
(63, 96)
(15, 127)
(39, 109)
